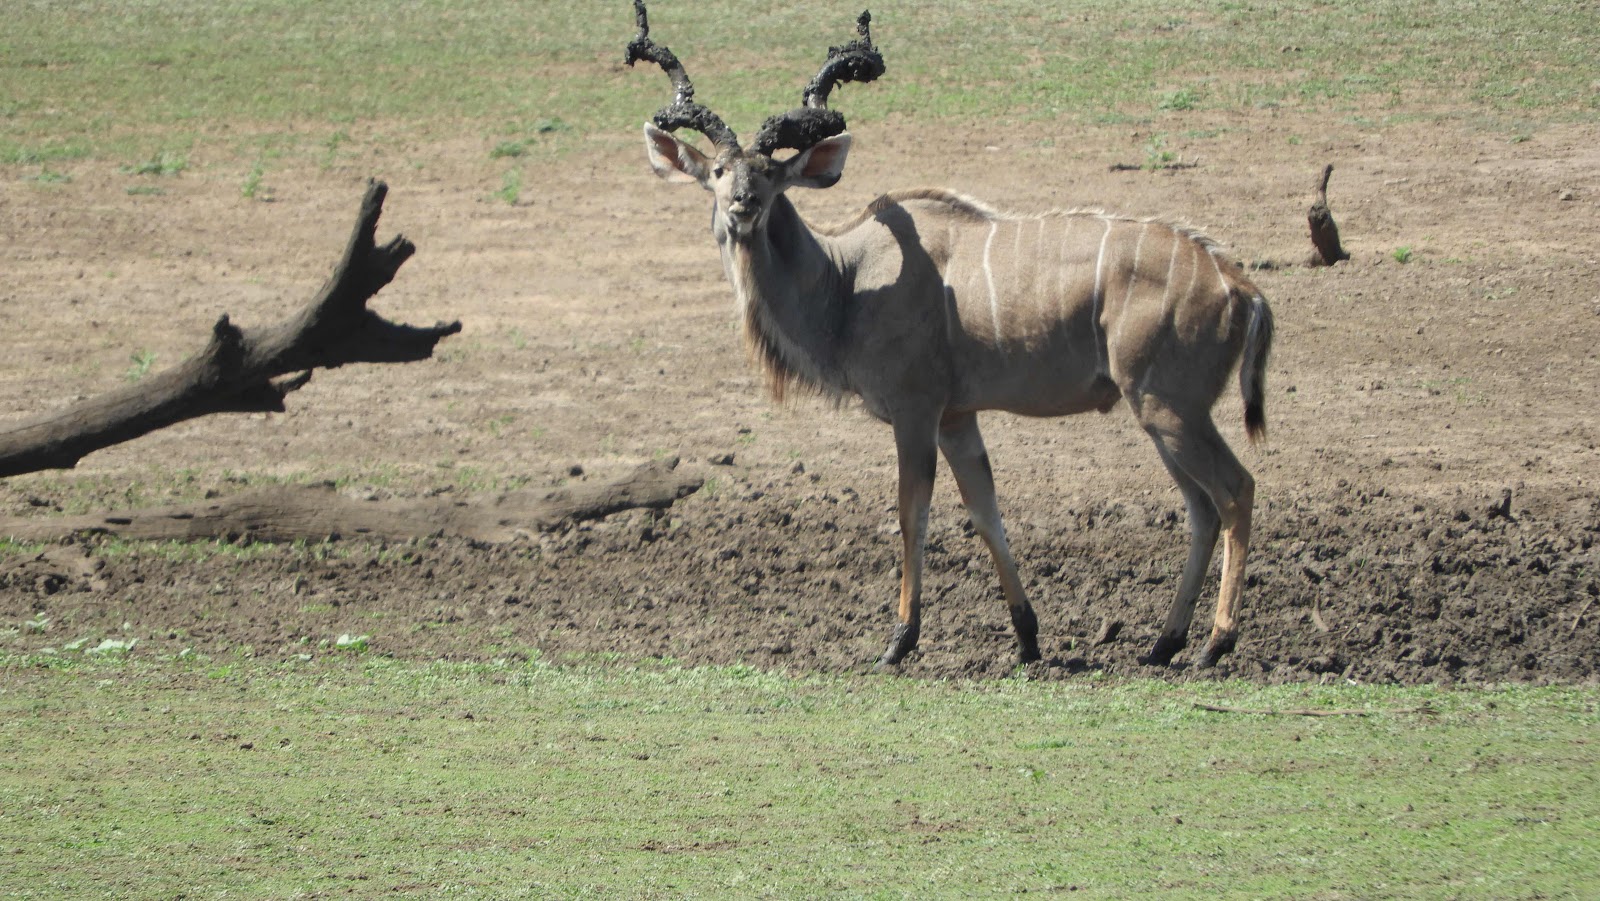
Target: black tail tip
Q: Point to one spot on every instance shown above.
(1255, 423)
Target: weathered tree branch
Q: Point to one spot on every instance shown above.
(316, 513)
(241, 370)
(1324, 233)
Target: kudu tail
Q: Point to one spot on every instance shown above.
(1253, 368)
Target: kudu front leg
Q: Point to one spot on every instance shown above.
(963, 448)
(916, 450)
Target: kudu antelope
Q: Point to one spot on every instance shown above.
(932, 307)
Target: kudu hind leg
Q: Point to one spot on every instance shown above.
(1195, 451)
(963, 448)
(1235, 547)
(916, 450)
(1204, 525)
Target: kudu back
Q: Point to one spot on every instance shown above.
(931, 307)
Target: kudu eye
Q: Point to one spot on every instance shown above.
(717, 171)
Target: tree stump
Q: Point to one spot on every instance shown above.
(1324, 233)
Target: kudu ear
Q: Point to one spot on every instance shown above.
(821, 165)
(674, 160)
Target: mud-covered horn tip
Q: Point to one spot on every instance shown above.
(858, 61)
(813, 122)
(683, 112)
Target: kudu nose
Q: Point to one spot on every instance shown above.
(744, 203)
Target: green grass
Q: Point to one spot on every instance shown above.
(47, 176)
(510, 187)
(96, 78)
(142, 361)
(252, 188)
(137, 777)
(164, 164)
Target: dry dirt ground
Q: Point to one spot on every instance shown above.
(1405, 400)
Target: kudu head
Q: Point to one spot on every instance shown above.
(745, 182)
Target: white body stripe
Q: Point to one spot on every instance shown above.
(1099, 301)
(988, 275)
(1133, 279)
(1061, 270)
(1172, 266)
(1038, 262)
(1194, 272)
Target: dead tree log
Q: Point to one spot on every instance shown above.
(317, 513)
(1324, 233)
(243, 370)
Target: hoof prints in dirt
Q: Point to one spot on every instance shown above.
(1359, 585)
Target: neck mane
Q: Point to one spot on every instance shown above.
(790, 287)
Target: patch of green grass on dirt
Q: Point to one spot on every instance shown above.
(10, 547)
(95, 77)
(140, 777)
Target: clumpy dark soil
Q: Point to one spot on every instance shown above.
(1364, 587)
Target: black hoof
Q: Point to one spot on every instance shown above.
(1027, 627)
(1165, 649)
(1214, 650)
(903, 642)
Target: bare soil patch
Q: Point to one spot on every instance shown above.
(1405, 401)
